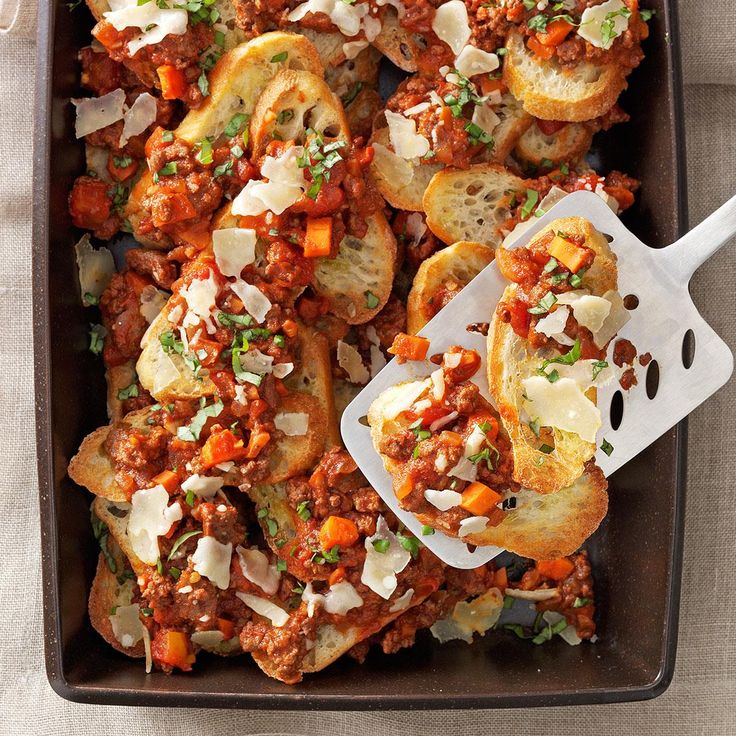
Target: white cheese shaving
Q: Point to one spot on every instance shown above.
(393, 167)
(543, 594)
(443, 500)
(440, 462)
(152, 301)
(404, 398)
(126, 625)
(553, 325)
(349, 360)
(451, 360)
(402, 601)
(464, 469)
(95, 113)
(341, 598)
(257, 568)
(451, 25)
(485, 118)
(589, 311)
(200, 297)
(472, 525)
(554, 196)
(255, 301)
(593, 19)
(407, 143)
(281, 370)
(276, 615)
(292, 424)
(234, 249)
(212, 559)
(96, 268)
(472, 61)
(150, 517)
(378, 359)
(141, 115)
(352, 48)
(156, 22)
(443, 421)
(254, 361)
(416, 226)
(561, 405)
(617, 318)
(568, 634)
(208, 640)
(438, 384)
(380, 568)
(312, 599)
(350, 18)
(468, 618)
(418, 108)
(203, 486)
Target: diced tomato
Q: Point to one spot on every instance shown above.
(221, 447)
(172, 648)
(173, 82)
(337, 531)
(89, 203)
(120, 173)
(539, 49)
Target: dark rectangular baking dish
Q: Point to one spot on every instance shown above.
(636, 553)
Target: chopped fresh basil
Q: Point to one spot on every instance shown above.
(178, 543)
(534, 426)
(175, 572)
(278, 58)
(90, 300)
(235, 124)
(129, 392)
(284, 116)
(352, 93)
(598, 366)
(167, 136)
(97, 339)
(607, 447)
(544, 304)
(191, 432)
(381, 545)
(553, 376)
(410, 544)
(569, 358)
(549, 631)
(565, 169)
(508, 601)
(159, 566)
(190, 498)
(147, 611)
(427, 531)
(371, 300)
(122, 162)
(101, 532)
(551, 265)
(169, 342)
(223, 169)
(581, 602)
(281, 565)
(203, 84)
(546, 449)
(646, 15)
(476, 135)
(577, 278)
(303, 512)
(204, 155)
(233, 320)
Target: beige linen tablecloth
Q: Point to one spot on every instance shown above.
(702, 697)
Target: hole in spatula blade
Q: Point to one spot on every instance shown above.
(364, 421)
(688, 348)
(652, 381)
(617, 410)
(631, 302)
(608, 237)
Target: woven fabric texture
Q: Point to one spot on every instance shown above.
(701, 698)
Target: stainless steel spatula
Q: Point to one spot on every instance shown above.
(664, 323)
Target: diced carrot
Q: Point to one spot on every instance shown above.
(168, 479)
(557, 569)
(280, 387)
(257, 407)
(318, 480)
(89, 203)
(195, 236)
(624, 197)
(318, 238)
(173, 82)
(501, 579)
(257, 441)
(172, 648)
(490, 424)
(539, 49)
(338, 531)
(251, 392)
(555, 33)
(250, 222)
(409, 347)
(405, 488)
(221, 447)
(290, 328)
(488, 85)
(568, 254)
(451, 438)
(121, 173)
(106, 34)
(336, 575)
(478, 498)
(226, 627)
(176, 207)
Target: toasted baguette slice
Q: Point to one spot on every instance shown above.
(551, 92)
(510, 361)
(358, 280)
(514, 123)
(470, 204)
(394, 41)
(568, 144)
(328, 45)
(459, 263)
(118, 377)
(401, 182)
(292, 103)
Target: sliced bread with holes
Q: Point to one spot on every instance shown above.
(567, 145)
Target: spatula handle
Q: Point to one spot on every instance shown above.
(693, 249)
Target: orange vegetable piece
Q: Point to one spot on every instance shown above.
(568, 254)
(539, 49)
(178, 208)
(405, 488)
(89, 203)
(555, 33)
(257, 441)
(489, 85)
(172, 648)
(336, 575)
(318, 238)
(501, 579)
(221, 447)
(106, 34)
(121, 173)
(409, 347)
(557, 569)
(173, 82)
(478, 498)
(168, 479)
(623, 196)
(290, 328)
(338, 531)
(226, 627)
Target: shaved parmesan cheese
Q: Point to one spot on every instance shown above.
(150, 517)
(443, 500)
(312, 599)
(612, 202)
(281, 370)
(407, 143)
(568, 634)
(380, 568)
(451, 360)
(350, 18)
(468, 618)
(255, 301)
(292, 424)
(203, 486)
(378, 360)
(561, 405)
(393, 167)
(465, 470)
(472, 61)
(593, 19)
(208, 640)
(152, 301)
(126, 625)
(175, 314)
(254, 361)
(581, 371)
(438, 384)
(349, 360)
(415, 228)
(96, 268)
(341, 598)
(485, 118)
(234, 249)
(156, 22)
(616, 319)
(443, 421)
(543, 594)
(147, 649)
(352, 48)
(440, 462)
(402, 601)
(142, 113)
(277, 616)
(419, 108)
(160, 365)
(200, 296)
(451, 25)
(590, 311)
(472, 525)
(212, 559)
(258, 569)
(475, 442)
(553, 325)
(94, 113)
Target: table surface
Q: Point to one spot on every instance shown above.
(703, 692)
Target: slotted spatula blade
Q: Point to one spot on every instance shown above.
(664, 323)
